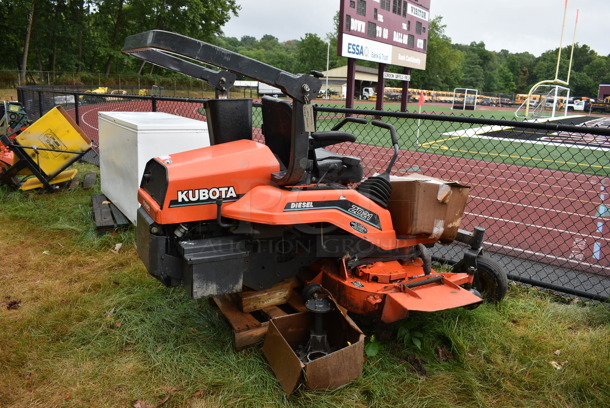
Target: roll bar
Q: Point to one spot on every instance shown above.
(171, 51)
(183, 54)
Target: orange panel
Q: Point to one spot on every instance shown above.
(347, 209)
(429, 298)
(393, 300)
(197, 178)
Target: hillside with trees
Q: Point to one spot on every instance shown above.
(79, 36)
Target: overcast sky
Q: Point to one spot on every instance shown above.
(515, 25)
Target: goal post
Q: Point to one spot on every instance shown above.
(545, 101)
(464, 99)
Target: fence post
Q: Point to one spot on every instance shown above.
(76, 114)
(154, 104)
(39, 104)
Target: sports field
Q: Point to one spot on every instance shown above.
(580, 153)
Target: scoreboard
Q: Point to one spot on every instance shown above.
(393, 32)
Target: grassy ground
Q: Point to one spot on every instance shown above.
(84, 325)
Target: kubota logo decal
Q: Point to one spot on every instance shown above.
(199, 196)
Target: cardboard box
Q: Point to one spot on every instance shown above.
(427, 206)
(285, 334)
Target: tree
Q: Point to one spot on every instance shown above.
(520, 66)
(546, 67)
(523, 81)
(443, 61)
(200, 19)
(583, 55)
(26, 47)
(311, 54)
(117, 27)
(506, 80)
(273, 53)
(599, 71)
(248, 41)
(474, 74)
(481, 68)
(582, 84)
(336, 60)
(87, 35)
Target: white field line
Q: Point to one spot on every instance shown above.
(474, 133)
(539, 227)
(537, 142)
(534, 207)
(86, 114)
(513, 180)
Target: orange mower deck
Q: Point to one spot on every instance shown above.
(392, 289)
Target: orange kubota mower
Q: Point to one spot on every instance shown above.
(243, 214)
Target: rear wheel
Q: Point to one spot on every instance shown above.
(490, 279)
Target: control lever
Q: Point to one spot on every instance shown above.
(394, 137)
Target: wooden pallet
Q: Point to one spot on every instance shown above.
(108, 218)
(250, 327)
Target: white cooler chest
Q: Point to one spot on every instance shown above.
(128, 140)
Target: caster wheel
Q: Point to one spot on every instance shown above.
(490, 280)
(310, 290)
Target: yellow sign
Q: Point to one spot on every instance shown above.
(53, 141)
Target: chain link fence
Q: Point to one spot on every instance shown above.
(540, 189)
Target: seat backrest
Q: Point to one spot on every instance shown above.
(277, 127)
(229, 119)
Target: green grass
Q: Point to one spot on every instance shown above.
(94, 329)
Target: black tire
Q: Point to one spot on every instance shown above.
(490, 279)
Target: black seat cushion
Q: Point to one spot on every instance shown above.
(334, 167)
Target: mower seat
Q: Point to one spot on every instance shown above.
(333, 167)
(330, 166)
(327, 166)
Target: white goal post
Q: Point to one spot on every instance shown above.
(464, 99)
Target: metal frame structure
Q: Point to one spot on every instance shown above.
(10, 128)
(556, 80)
(551, 95)
(176, 52)
(465, 105)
